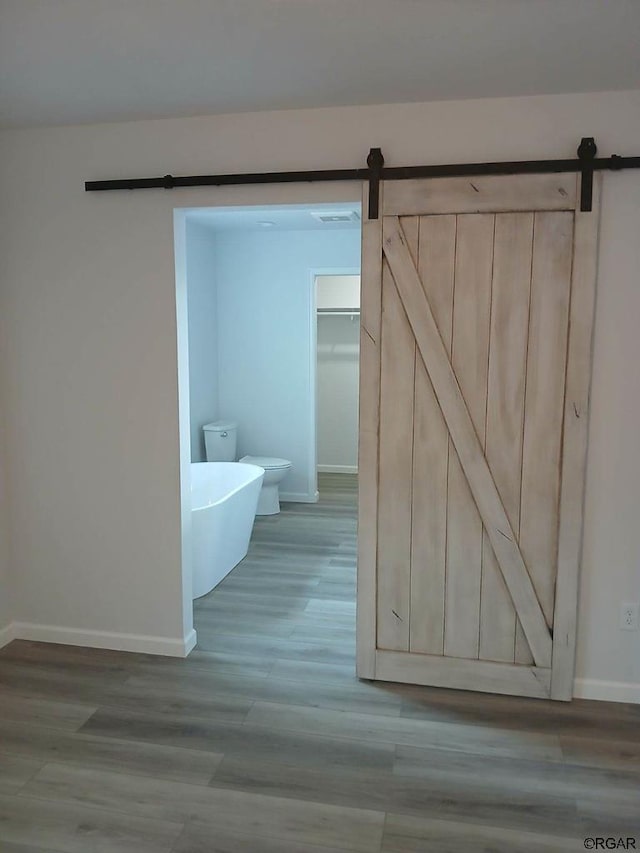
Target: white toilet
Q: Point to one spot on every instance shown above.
(220, 439)
(275, 470)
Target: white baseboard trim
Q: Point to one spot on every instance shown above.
(606, 691)
(142, 643)
(7, 634)
(190, 642)
(583, 688)
(300, 497)
(337, 469)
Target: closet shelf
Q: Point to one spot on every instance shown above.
(338, 312)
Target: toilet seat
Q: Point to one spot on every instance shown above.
(269, 463)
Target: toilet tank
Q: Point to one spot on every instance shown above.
(220, 438)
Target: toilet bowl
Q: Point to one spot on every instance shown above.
(220, 439)
(275, 470)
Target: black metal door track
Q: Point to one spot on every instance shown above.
(586, 163)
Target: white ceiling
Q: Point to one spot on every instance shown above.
(78, 61)
(283, 218)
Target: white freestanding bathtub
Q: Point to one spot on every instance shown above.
(224, 498)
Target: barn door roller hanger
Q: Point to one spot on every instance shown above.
(586, 164)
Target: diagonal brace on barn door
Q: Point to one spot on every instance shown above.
(465, 440)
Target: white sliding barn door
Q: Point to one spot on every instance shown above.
(477, 312)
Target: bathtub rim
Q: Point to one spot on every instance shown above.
(258, 472)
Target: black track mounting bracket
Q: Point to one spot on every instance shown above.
(587, 151)
(375, 162)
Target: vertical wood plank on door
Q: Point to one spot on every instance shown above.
(470, 355)
(395, 471)
(411, 228)
(544, 405)
(431, 447)
(369, 419)
(505, 415)
(574, 450)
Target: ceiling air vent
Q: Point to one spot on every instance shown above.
(327, 216)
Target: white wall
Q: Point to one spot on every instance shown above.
(266, 348)
(337, 291)
(6, 591)
(338, 375)
(5, 579)
(203, 343)
(88, 314)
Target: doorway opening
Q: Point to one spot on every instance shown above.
(268, 382)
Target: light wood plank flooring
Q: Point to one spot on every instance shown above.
(263, 740)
